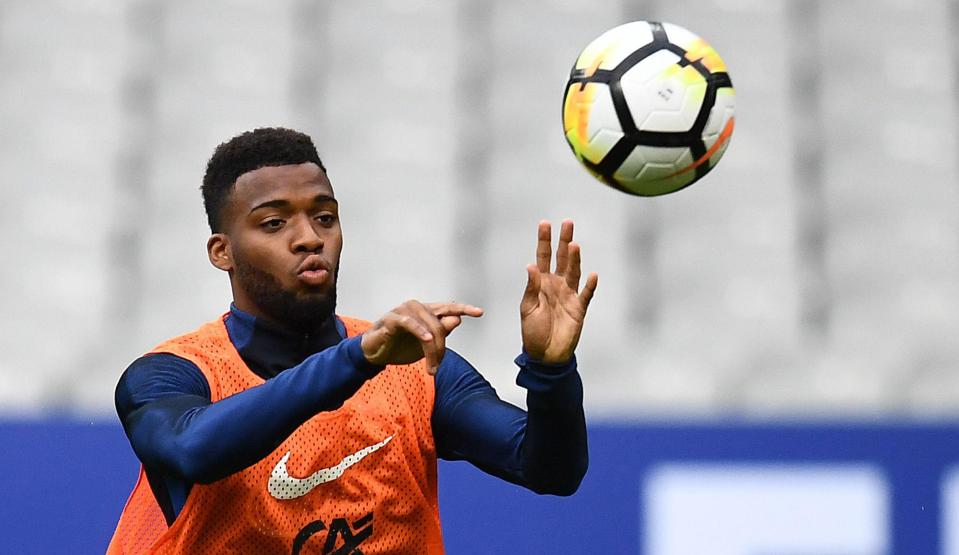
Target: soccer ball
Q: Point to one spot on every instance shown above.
(648, 108)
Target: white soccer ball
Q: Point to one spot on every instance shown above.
(648, 108)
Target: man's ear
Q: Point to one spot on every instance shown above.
(219, 251)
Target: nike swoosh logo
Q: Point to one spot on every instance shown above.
(283, 486)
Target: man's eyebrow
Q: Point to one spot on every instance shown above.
(280, 203)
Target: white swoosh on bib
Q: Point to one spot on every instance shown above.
(283, 486)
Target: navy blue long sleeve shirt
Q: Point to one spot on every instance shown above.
(182, 438)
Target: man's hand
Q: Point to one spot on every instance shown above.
(414, 330)
(553, 308)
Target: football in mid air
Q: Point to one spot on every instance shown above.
(648, 108)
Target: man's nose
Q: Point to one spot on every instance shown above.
(306, 238)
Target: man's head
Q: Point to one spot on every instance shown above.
(276, 227)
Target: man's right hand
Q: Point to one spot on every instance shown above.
(414, 330)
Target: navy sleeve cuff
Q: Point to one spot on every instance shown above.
(354, 352)
(549, 385)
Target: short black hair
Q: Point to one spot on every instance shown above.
(266, 146)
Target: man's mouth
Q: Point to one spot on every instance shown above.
(313, 271)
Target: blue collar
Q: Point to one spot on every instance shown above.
(268, 349)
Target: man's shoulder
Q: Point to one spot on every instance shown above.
(155, 376)
(154, 363)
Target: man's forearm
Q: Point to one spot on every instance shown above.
(554, 452)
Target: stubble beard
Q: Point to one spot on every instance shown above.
(298, 311)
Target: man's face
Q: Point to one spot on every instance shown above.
(281, 244)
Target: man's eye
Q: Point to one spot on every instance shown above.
(326, 219)
(272, 224)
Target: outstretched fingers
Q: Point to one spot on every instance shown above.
(544, 252)
(562, 249)
(574, 272)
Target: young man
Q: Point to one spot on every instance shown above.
(281, 427)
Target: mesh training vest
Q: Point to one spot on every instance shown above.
(360, 479)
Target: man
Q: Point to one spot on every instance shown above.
(281, 427)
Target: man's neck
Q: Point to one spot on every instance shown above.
(268, 348)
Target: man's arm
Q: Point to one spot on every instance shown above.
(544, 450)
(164, 404)
(164, 401)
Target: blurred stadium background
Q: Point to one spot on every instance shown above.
(771, 359)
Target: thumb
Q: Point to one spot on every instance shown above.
(531, 294)
(374, 342)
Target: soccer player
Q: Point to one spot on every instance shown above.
(282, 427)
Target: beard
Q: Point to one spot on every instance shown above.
(303, 312)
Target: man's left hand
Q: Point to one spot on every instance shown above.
(553, 308)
